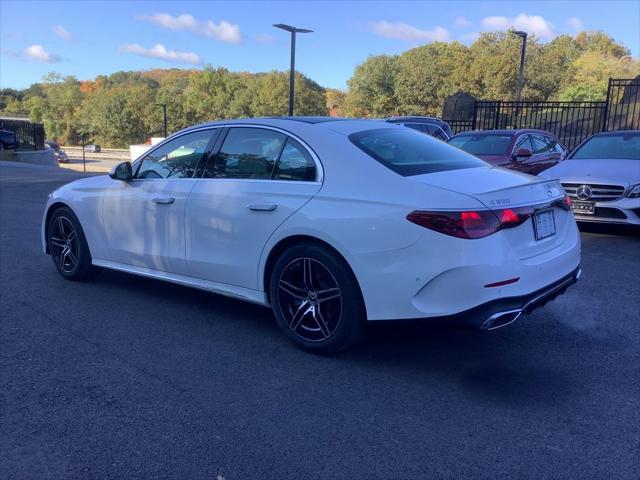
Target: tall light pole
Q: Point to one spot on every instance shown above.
(522, 35)
(292, 70)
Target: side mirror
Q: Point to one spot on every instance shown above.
(565, 154)
(122, 171)
(522, 153)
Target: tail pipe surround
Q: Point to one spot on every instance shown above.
(506, 317)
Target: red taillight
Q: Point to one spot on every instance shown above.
(512, 217)
(509, 216)
(472, 224)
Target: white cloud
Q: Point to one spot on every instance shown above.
(574, 23)
(264, 38)
(39, 54)
(469, 37)
(404, 31)
(63, 33)
(462, 22)
(532, 24)
(223, 30)
(159, 51)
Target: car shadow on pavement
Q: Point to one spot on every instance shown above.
(509, 366)
(605, 229)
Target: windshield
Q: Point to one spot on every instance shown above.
(408, 152)
(482, 144)
(622, 146)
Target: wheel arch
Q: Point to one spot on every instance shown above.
(287, 242)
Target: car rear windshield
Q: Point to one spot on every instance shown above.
(482, 144)
(408, 152)
(622, 145)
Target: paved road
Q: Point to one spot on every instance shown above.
(128, 377)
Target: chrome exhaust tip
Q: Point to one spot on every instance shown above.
(501, 319)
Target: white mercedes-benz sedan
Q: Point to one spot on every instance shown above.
(331, 222)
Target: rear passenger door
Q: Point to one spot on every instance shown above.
(256, 179)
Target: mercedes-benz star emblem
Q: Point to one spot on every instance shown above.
(548, 190)
(584, 192)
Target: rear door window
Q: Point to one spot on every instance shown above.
(247, 153)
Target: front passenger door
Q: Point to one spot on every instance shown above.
(144, 218)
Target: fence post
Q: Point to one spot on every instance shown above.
(607, 106)
(475, 113)
(497, 123)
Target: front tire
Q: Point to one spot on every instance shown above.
(316, 299)
(68, 246)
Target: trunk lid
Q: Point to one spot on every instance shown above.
(499, 189)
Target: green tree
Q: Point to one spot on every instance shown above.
(372, 88)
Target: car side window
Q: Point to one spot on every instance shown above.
(178, 158)
(523, 142)
(247, 153)
(295, 163)
(543, 144)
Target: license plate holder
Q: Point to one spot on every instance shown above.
(544, 224)
(583, 208)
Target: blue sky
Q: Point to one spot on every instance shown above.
(93, 37)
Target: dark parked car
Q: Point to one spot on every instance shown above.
(526, 150)
(8, 140)
(92, 148)
(430, 125)
(58, 151)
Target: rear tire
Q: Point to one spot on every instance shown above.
(316, 299)
(68, 246)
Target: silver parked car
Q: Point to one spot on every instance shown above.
(602, 178)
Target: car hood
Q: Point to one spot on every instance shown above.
(87, 184)
(605, 171)
(495, 186)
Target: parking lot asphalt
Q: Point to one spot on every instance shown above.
(125, 377)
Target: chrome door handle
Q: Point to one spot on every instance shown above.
(164, 200)
(262, 207)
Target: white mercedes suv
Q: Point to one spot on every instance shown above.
(331, 222)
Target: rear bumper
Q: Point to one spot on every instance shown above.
(505, 311)
(441, 277)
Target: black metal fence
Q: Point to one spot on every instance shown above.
(458, 126)
(571, 122)
(623, 104)
(30, 135)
